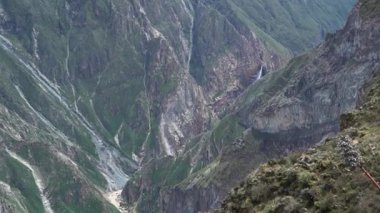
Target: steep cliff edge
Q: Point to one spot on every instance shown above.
(326, 178)
(285, 111)
(93, 90)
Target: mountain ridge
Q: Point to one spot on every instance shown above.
(322, 178)
(91, 91)
(286, 111)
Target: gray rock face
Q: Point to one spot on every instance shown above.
(325, 83)
(290, 109)
(98, 89)
(219, 57)
(189, 201)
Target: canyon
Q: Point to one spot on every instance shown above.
(155, 106)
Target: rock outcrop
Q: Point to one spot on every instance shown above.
(285, 111)
(340, 174)
(93, 90)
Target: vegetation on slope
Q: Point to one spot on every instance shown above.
(100, 67)
(295, 24)
(320, 180)
(370, 8)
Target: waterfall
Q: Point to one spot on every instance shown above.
(260, 75)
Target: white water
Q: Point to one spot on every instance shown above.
(108, 164)
(260, 75)
(37, 179)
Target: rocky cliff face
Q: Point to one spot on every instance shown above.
(326, 178)
(285, 111)
(91, 91)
